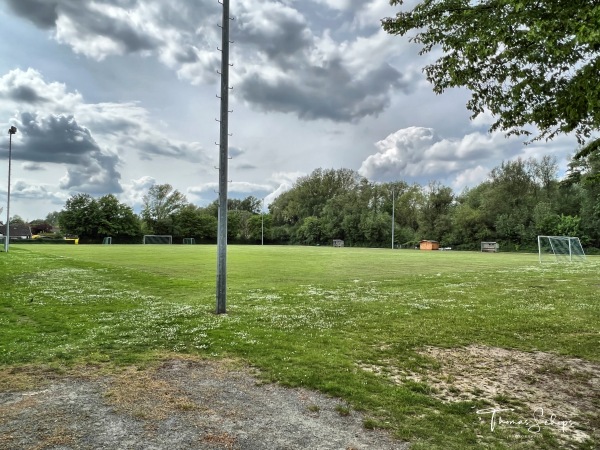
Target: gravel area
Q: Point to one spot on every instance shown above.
(180, 404)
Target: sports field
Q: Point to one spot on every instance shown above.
(424, 343)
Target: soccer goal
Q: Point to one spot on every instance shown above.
(190, 241)
(560, 248)
(158, 239)
(107, 241)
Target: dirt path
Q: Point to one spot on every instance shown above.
(181, 404)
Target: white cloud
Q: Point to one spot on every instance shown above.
(417, 153)
(134, 191)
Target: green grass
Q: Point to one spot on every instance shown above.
(306, 316)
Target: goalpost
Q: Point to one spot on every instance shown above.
(557, 248)
(107, 241)
(190, 241)
(158, 239)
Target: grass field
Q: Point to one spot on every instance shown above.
(374, 327)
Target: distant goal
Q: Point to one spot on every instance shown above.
(107, 240)
(189, 241)
(560, 248)
(158, 239)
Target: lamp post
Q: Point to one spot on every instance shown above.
(262, 223)
(11, 131)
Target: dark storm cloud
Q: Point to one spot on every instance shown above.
(283, 62)
(26, 94)
(99, 177)
(327, 92)
(32, 167)
(188, 55)
(90, 23)
(59, 139)
(55, 139)
(296, 71)
(41, 12)
(88, 20)
(274, 29)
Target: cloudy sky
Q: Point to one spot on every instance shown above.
(112, 96)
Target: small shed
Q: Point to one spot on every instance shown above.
(338, 243)
(491, 247)
(429, 245)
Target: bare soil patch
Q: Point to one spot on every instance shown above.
(541, 390)
(182, 403)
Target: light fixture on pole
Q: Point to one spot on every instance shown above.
(11, 131)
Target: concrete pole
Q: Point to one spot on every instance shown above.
(393, 215)
(223, 163)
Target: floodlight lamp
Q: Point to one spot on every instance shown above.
(12, 130)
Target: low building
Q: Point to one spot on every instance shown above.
(429, 245)
(17, 231)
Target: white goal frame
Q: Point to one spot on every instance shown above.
(107, 240)
(190, 241)
(566, 248)
(158, 239)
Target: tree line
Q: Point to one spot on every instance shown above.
(518, 201)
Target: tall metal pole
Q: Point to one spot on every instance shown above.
(262, 223)
(11, 131)
(393, 215)
(223, 162)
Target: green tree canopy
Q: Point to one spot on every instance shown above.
(116, 218)
(528, 62)
(80, 216)
(16, 219)
(86, 216)
(161, 203)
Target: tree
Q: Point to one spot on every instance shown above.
(527, 62)
(310, 194)
(52, 218)
(40, 226)
(87, 217)
(250, 204)
(309, 232)
(115, 218)
(260, 227)
(194, 221)
(80, 216)
(160, 204)
(584, 171)
(434, 215)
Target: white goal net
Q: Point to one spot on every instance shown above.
(107, 241)
(158, 239)
(560, 248)
(189, 241)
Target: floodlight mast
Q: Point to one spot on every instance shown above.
(223, 162)
(11, 131)
(393, 214)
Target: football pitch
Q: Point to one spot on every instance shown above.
(424, 343)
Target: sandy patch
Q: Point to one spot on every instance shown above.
(541, 390)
